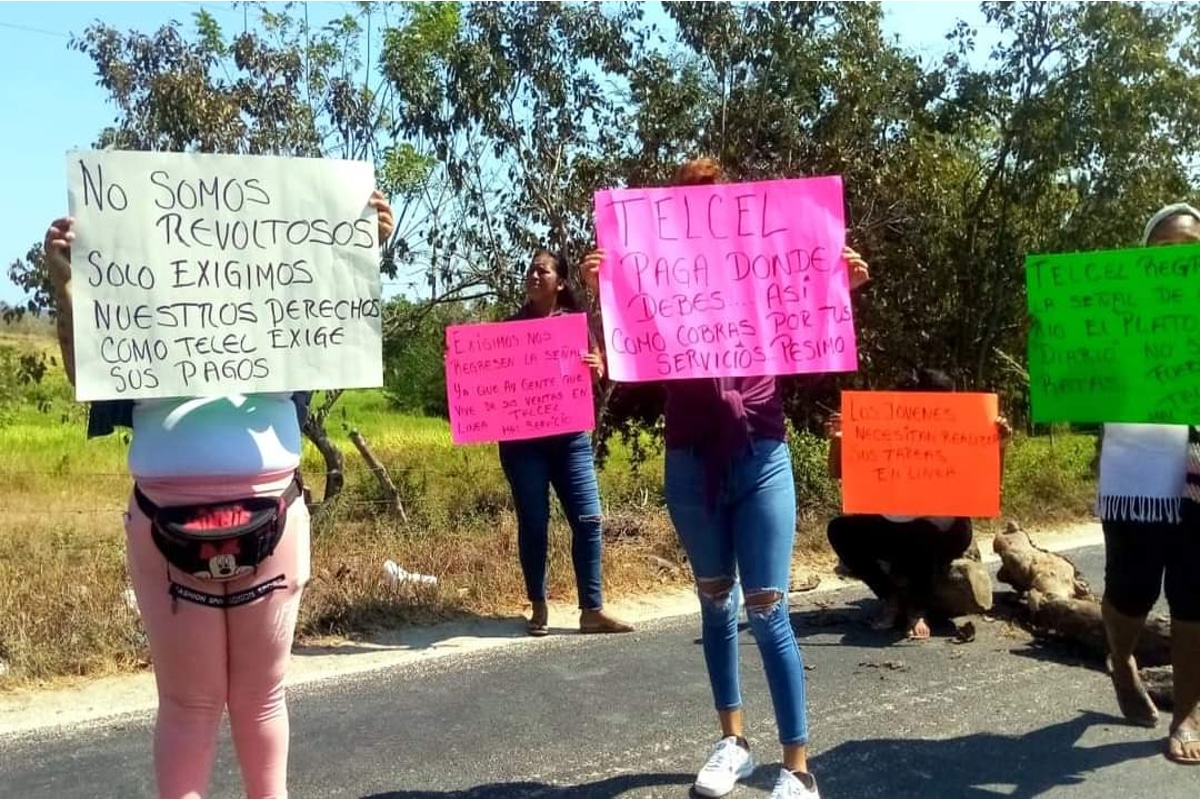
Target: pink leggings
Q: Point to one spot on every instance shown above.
(206, 659)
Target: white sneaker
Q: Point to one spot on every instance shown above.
(791, 784)
(728, 764)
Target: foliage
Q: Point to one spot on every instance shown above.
(492, 124)
(515, 102)
(414, 358)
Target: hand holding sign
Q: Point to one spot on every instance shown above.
(595, 362)
(833, 426)
(1004, 430)
(589, 269)
(859, 273)
(519, 380)
(57, 246)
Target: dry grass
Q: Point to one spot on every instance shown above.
(62, 579)
(63, 608)
(479, 574)
(62, 603)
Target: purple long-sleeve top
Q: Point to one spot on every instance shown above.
(718, 418)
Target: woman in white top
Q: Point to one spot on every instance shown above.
(217, 538)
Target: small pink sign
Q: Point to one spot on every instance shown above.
(727, 280)
(518, 380)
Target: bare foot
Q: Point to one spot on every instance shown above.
(594, 620)
(918, 628)
(1132, 697)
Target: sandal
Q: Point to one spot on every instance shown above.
(1134, 701)
(603, 623)
(538, 624)
(918, 628)
(1181, 737)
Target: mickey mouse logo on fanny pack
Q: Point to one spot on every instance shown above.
(222, 560)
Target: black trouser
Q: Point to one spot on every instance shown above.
(1138, 556)
(915, 553)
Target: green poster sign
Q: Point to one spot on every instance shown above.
(1115, 335)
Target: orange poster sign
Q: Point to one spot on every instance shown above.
(924, 454)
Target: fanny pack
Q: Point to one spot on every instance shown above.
(220, 541)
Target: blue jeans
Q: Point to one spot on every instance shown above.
(565, 462)
(748, 531)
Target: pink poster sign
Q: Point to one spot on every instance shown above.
(518, 380)
(728, 280)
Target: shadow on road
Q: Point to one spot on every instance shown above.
(609, 787)
(978, 765)
(853, 621)
(420, 637)
(1068, 654)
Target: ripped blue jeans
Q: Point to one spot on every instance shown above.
(747, 532)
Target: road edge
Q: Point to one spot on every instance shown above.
(97, 701)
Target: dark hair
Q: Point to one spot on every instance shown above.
(568, 298)
(927, 380)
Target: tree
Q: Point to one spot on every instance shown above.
(952, 172)
(522, 107)
(30, 275)
(515, 104)
(492, 124)
(1083, 123)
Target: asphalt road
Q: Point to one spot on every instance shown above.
(630, 716)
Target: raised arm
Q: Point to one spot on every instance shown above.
(589, 276)
(387, 223)
(57, 246)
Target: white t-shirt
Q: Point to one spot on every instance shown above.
(230, 436)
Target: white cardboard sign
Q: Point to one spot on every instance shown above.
(196, 275)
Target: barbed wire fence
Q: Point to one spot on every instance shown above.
(13, 478)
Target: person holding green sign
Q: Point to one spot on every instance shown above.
(1149, 506)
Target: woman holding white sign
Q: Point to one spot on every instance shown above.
(565, 462)
(1149, 506)
(217, 537)
(732, 498)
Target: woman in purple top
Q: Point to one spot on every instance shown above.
(732, 498)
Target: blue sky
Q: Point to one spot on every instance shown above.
(52, 104)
